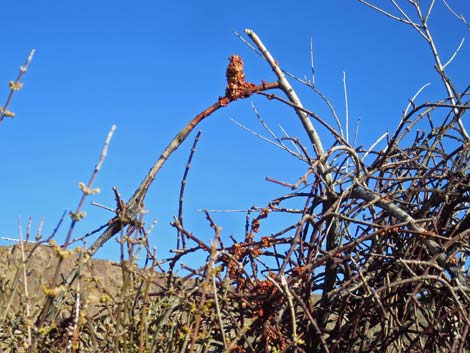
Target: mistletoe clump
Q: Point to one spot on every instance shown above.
(236, 85)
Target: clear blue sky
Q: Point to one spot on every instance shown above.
(150, 66)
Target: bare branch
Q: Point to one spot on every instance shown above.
(312, 62)
(346, 106)
(454, 54)
(386, 13)
(289, 91)
(459, 17)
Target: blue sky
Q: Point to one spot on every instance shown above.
(149, 67)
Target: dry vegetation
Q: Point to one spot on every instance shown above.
(376, 261)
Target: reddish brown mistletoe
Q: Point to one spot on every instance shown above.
(237, 87)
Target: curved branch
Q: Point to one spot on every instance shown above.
(289, 91)
(433, 247)
(235, 90)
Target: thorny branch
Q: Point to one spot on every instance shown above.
(237, 88)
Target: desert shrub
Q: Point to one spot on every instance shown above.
(376, 260)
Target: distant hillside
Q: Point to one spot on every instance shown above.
(99, 278)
